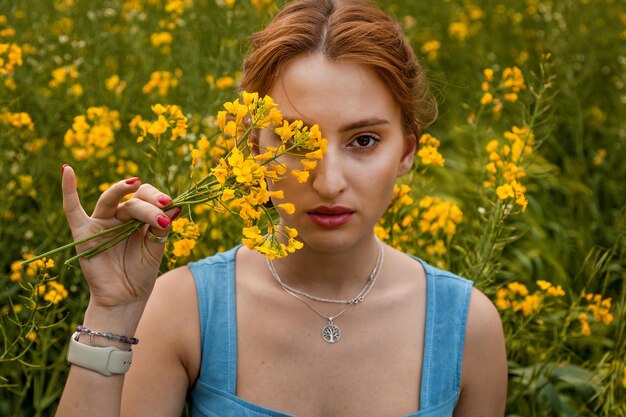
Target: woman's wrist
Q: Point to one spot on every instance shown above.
(119, 320)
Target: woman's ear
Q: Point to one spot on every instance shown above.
(408, 154)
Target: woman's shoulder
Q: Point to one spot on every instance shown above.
(227, 256)
(442, 276)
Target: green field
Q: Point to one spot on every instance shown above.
(520, 183)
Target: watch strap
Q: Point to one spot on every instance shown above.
(108, 361)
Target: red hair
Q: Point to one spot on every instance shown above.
(344, 30)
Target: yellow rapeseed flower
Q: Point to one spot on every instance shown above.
(159, 127)
(584, 324)
(224, 82)
(431, 49)
(288, 208)
(301, 176)
(529, 305)
(183, 247)
(486, 98)
(505, 191)
(458, 30)
(55, 292)
(428, 151)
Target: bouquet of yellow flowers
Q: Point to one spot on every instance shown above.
(238, 182)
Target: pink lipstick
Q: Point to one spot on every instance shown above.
(330, 216)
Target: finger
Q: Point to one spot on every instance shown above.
(146, 212)
(109, 201)
(158, 237)
(74, 212)
(151, 194)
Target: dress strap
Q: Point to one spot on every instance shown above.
(447, 304)
(215, 283)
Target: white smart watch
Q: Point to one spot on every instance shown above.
(108, 361)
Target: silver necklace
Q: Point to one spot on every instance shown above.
(331, 332)
(355, 300)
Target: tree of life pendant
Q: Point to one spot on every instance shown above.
(331, 333)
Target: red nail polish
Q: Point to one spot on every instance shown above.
(176, 214)
(163, 221)
(164, 200)
(63, 168)
(132, 180)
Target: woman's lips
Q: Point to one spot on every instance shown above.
(326, 216)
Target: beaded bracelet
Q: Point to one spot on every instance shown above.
(111, 336)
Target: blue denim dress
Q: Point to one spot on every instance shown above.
(214, 395)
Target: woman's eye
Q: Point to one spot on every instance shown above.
(365, 141)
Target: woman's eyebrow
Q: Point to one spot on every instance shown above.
(364, 123)
(374, 121)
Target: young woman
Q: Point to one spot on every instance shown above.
(345, 326)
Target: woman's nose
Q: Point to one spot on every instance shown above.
(328, 178)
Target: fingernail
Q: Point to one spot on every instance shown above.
(164, 200)
(132, 180)
(163, 221)
(63, 168)
(176, 214)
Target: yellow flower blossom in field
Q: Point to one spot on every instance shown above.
(183, 247)
(76, 90)
(55, 292)
(224, 82)
(439, 215)
(505, 191)
(16, 271)
(160, 39)
(428, 151)
(486, 99)
(92, 135)
(10, 58)
(599, 307)
(159, 127)
(260, 3)
(381, 232)
(431, 49)
(438, 248)
(508, 89)
(513, 79)
(550, 289)
(505, 169)
(161, 82)
(170, 119)
(528, 305)
(518, 288)
(599, 157)
(556, 291)
(475, 12)
(138, 126)
(584, 324)
(458, 30)
(62, 75)
(32, 336)
(19, 120)
(115, 84)
(517, 297)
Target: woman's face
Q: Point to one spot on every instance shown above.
(368, 149)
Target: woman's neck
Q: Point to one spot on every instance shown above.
(336, 274)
